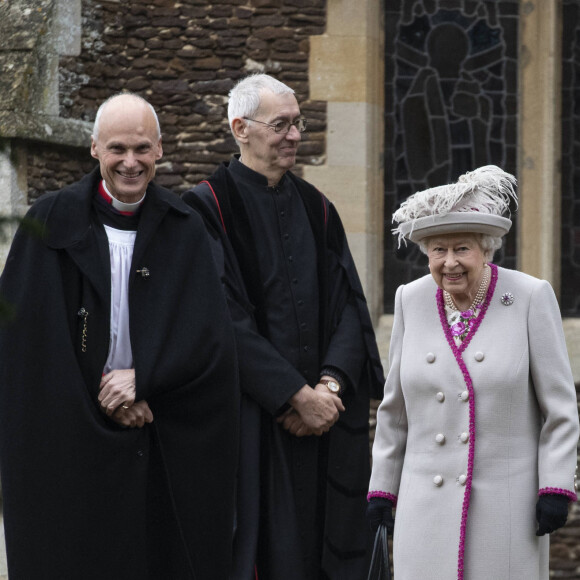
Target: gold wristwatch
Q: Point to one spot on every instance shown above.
(331, 385)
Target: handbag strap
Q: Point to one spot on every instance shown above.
(380, 567)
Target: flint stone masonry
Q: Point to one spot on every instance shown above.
(33, 33)
(185, 59)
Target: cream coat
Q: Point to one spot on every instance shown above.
(525, 434)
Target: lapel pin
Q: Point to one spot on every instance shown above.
(144, 272)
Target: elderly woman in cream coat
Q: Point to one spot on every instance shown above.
(477, 432)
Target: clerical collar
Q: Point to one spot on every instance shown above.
(120, 206)
(249, 174)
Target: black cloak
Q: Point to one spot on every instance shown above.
(84, 497)
(344, 452)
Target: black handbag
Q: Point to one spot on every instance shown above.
(380, 568)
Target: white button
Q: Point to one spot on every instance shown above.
(440, 438)
(438, 480)
(464, 437)
(440, 396)
(465, 396)
(479, 356)
(462, 479)
(430, 357)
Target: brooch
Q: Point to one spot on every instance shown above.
(507, 299)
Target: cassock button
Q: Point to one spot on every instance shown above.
(300, 302)
(440, 438)
(440, 396)
(294, 280)
(464, 437)
(479, 356)
(430, 357)
(464, 396)
(290, 258)
(438, 480)
(462, 479)
(306, 348)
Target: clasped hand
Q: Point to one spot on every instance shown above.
(313, 412)
(117, 388)
(117, 399)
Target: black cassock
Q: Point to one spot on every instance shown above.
(83, 497)
(298, 308)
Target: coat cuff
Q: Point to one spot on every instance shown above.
(384, 495)
(558, 491)
(337, 375)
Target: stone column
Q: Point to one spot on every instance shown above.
(32, 37)
(13, 198)
(346, 71)
(540, 139)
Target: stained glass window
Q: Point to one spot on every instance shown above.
(570, 295)
(451, 106)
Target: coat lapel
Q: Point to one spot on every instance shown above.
(155, 207)
(83, 238)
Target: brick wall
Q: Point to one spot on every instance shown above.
(183, 57)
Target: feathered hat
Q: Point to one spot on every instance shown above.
(476, 203)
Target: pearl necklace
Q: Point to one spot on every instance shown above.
(479, 297)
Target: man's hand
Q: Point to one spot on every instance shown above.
(292, 422)
(135, 416)
(315, 411)
(117, 388)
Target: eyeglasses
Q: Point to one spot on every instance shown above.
(283, 126)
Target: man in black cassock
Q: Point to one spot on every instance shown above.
(119, 405)
(308, 358)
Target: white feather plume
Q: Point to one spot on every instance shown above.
(488, 190)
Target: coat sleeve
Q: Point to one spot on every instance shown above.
(352, 347)
(391, 432)
(556, 394)
(346, 350)
(265, 375)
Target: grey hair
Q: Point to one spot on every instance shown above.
(488, 244)
(113, 97)
(245, 97)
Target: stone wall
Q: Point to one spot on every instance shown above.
(183, 57)
(564, 546)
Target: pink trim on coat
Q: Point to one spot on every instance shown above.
(457, 352)
(384, 495)
(558, 491)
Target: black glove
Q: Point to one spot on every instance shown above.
(551, 513)
(380, 511)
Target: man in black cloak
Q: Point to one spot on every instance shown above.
(308, 358)
(119, 403)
